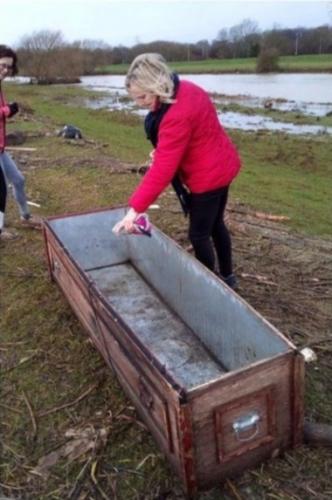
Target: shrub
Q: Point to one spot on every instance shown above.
(267, 61)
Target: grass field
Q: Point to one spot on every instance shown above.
(290, 64)
(54, 385)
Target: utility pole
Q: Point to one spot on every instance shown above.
(297, 36)
(188, 52)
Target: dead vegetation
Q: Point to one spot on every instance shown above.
(67, 430)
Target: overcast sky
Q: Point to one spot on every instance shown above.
(130, 22)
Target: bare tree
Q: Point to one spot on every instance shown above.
(241, 40)
(45, 56)
(94, 54)
(245, 28)
(42, 41)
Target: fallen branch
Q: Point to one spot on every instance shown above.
(21, 148)
(264, 216)
(259, 215)
(259, 278)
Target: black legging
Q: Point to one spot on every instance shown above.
(207, 221)
(3, 197)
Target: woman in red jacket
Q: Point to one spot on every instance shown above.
(192, 151)
(9, 171)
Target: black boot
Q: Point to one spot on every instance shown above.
(230, 280)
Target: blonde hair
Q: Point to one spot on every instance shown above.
(150, 73)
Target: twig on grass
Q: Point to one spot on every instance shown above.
(72, 403)
(233, 490)
(11, 487)
(16, 455)
(261, 279)
(32, 416)
(27, 274)
(79, 481)
(102, 492)
(7, 344)
(97, 488)
(15, 410)
(21, 362)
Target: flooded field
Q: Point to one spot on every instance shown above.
(305, 94)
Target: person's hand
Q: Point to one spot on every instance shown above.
(151, 156)
(13, 109)
(126, 225)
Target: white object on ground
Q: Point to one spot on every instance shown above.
(33, 204)
(308, 354)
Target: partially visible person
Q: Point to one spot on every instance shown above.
(12, 175)
(192, 151)
(3, 198)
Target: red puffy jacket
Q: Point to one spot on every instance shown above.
(4, 112)
(192, 142)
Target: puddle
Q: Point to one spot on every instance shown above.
(229, 119)
(253, 91)
(241, 121)
(305, 108)
(275, 92)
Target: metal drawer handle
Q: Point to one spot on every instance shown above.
(245, 424)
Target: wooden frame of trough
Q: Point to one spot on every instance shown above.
(219, 387)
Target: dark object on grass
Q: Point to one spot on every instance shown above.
(70, 132)
(15, 138)
(318, 434)
(13, 106)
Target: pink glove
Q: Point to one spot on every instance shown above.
(142, 225)
(133, 223)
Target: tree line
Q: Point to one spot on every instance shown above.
(47, 56)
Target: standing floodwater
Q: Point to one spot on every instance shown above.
(309, 94)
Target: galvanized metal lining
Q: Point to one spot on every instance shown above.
(171, 300)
